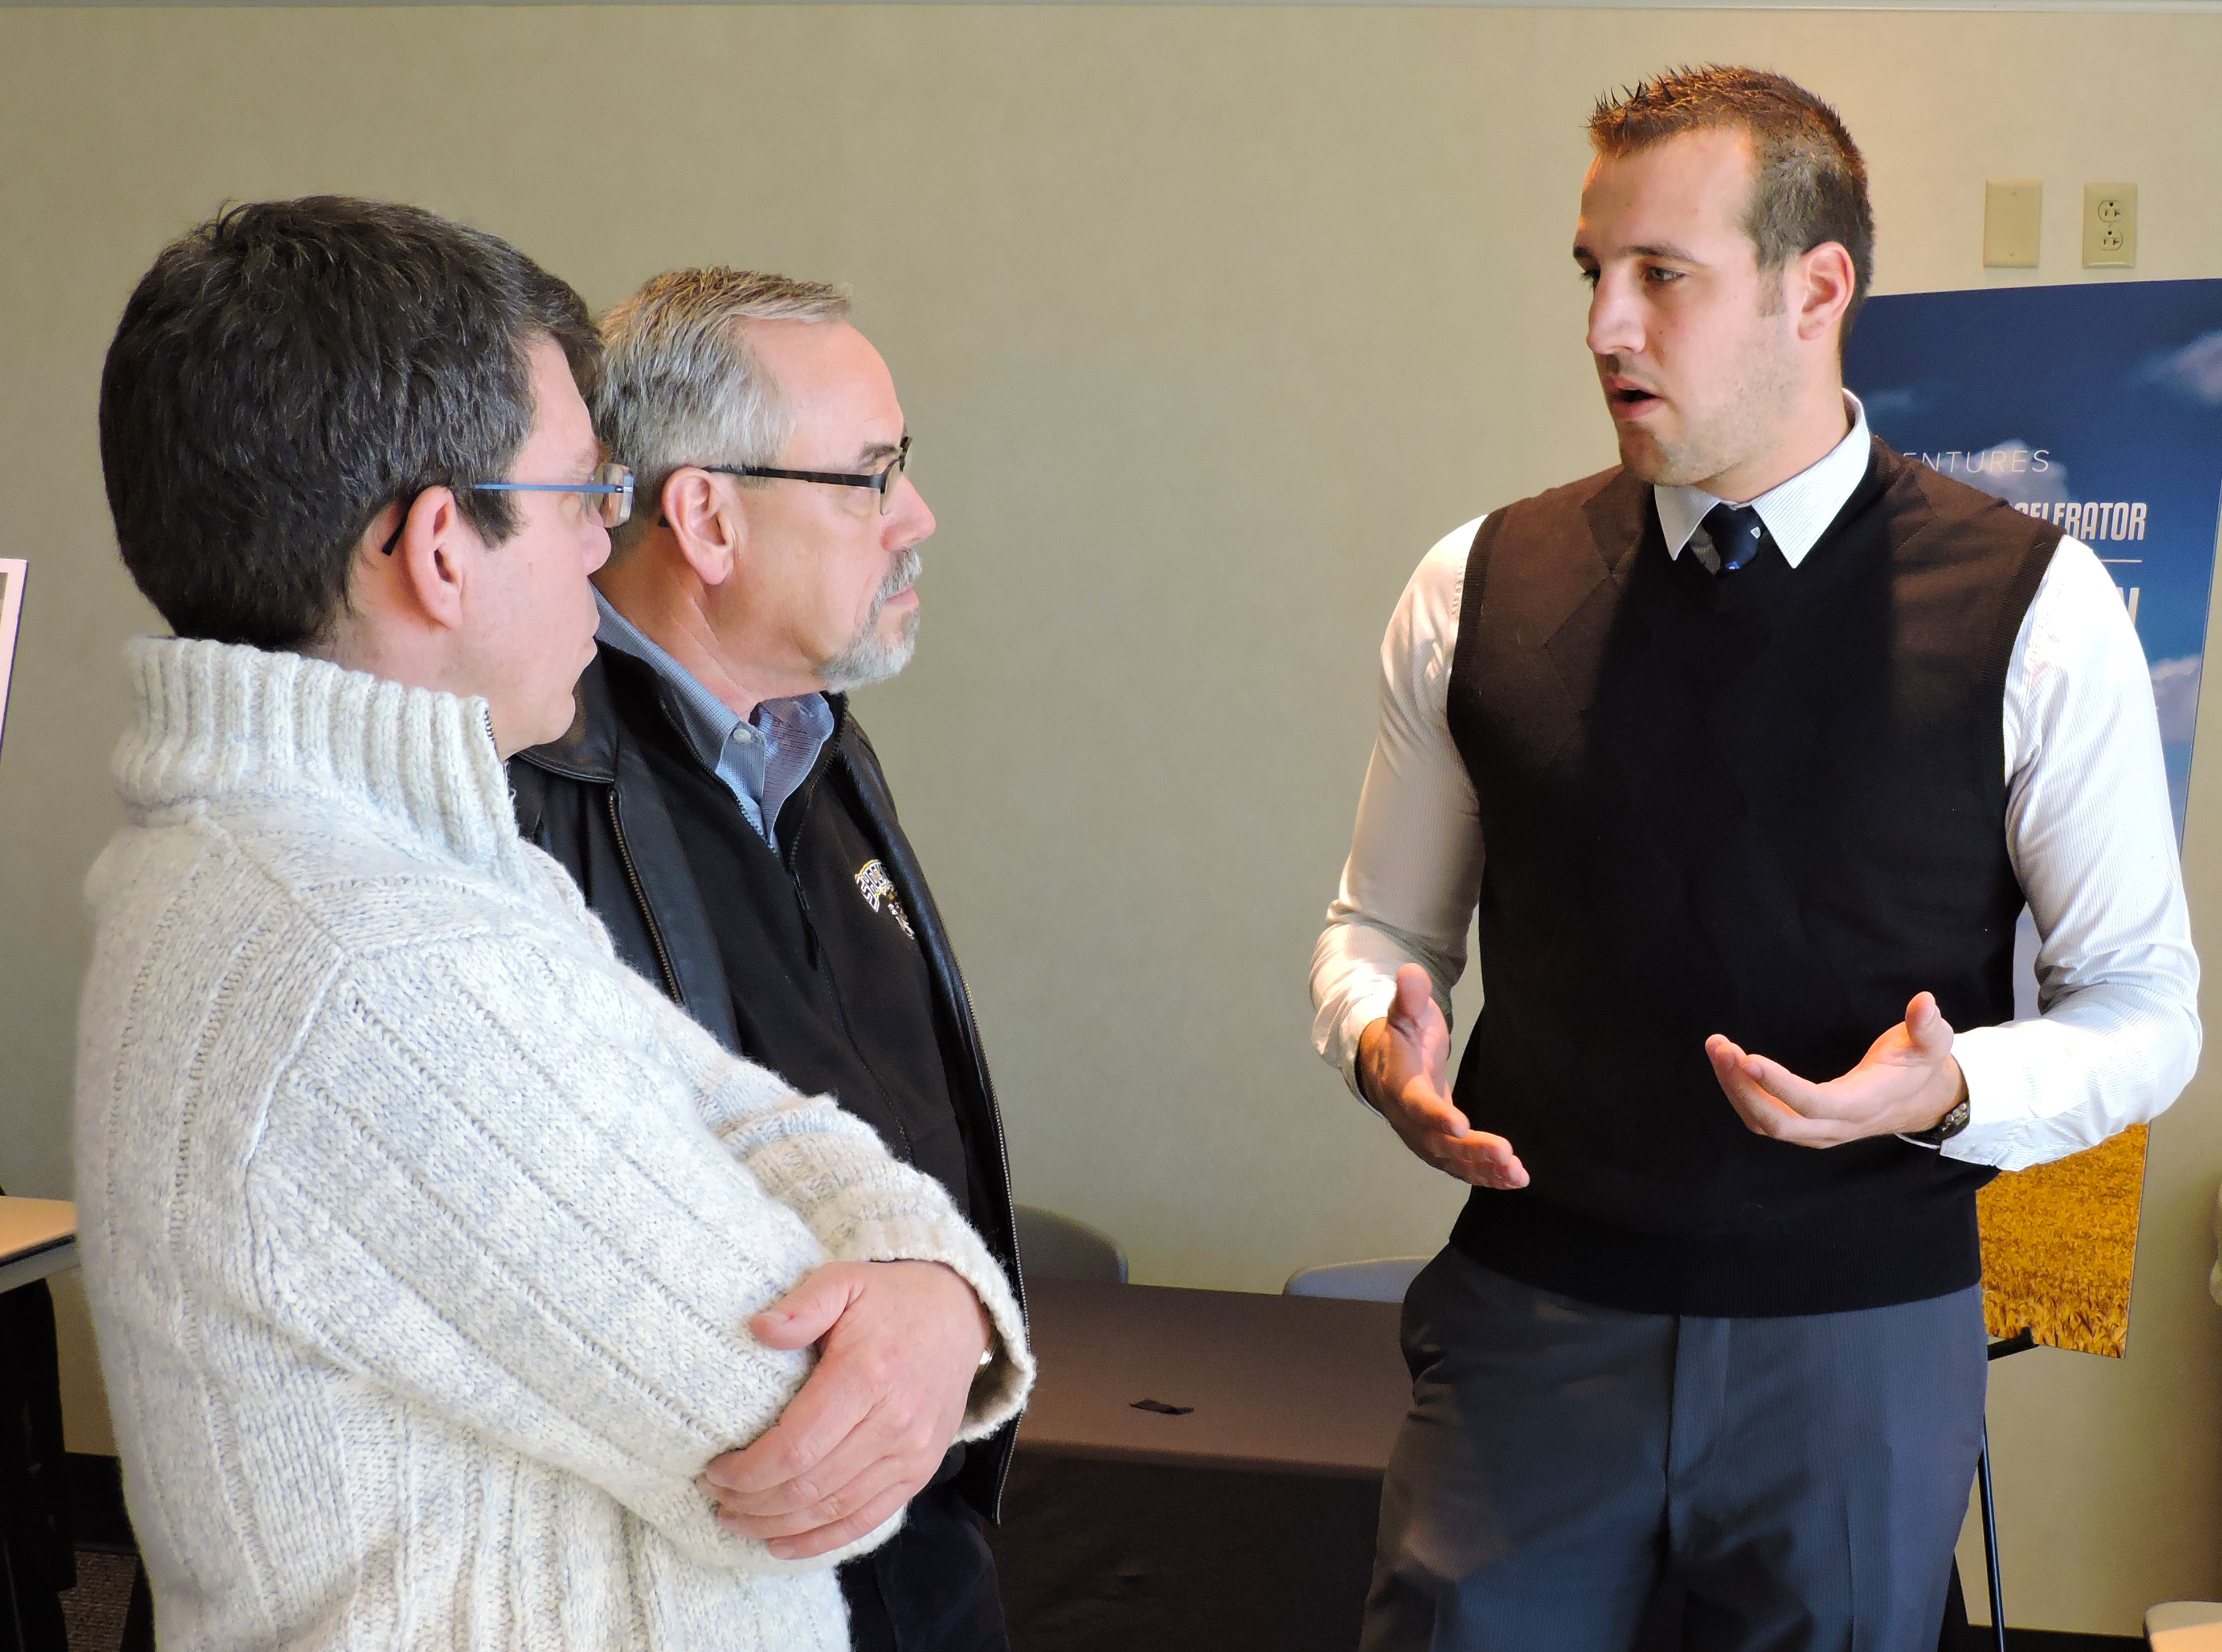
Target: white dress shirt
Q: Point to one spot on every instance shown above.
(2089, 829)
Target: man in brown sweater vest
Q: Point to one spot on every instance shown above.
(1768, 734)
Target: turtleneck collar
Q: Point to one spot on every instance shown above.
(218, 721)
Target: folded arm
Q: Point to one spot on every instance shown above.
(486, 1185)
(862, 1204)
(918, 1332)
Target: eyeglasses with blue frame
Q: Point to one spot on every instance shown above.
(608, 493)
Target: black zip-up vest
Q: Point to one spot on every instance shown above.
(593, 801)
(1770, 805)
(830, 988)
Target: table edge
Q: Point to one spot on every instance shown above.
(1158, 1457)
(38, 1262)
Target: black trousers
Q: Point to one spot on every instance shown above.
(931, 1586)
(37, 1560)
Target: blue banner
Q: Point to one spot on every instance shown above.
(2096, 406)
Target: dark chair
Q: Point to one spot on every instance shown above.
(1054, 1246)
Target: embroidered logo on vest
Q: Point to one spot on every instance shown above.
(874, 884)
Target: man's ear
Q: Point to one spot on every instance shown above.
(1820, 291)
(711, 531)
(429, 566)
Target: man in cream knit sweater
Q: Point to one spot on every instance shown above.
(432, 1253)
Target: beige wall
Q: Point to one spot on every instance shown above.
(1208, 322)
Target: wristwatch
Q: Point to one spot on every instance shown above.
(1944, 1128)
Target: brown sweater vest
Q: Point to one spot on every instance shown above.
(1770, 805)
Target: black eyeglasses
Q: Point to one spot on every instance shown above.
(608, 493)
(881, 482)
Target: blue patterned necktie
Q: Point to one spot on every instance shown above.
(1735, 531)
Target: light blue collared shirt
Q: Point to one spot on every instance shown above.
(761, 758)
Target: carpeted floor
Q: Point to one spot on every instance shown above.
(2059, 1243)
(95, 1609)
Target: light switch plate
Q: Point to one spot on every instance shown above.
(2110, 225)
(2013, 211)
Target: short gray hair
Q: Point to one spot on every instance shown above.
(681, 386)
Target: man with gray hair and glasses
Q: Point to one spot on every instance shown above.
(726, 817)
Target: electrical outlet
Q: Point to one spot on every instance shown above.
(2110, 225)
(2012, 212)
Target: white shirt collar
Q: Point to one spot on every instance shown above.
(1797, 512)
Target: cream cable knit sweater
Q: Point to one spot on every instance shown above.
(421, 1235)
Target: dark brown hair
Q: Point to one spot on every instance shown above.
(1810, 185)
(289, 369)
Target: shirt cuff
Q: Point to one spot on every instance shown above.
(1364, 1008)
(2001, 1098)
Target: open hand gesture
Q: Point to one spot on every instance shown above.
(1906, 1082)
(1404, 1067)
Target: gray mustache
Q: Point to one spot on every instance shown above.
(900, 578)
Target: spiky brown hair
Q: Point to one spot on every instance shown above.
(1810, 186)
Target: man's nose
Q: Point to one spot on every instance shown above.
(1615, 323)
(911, 512)
(598, 547)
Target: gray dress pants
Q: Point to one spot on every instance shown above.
(1804, 1479)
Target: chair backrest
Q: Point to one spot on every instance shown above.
(1054, 1246)
(1377, 1279)
(2184, 1626)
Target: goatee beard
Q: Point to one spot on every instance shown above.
(870, 658)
